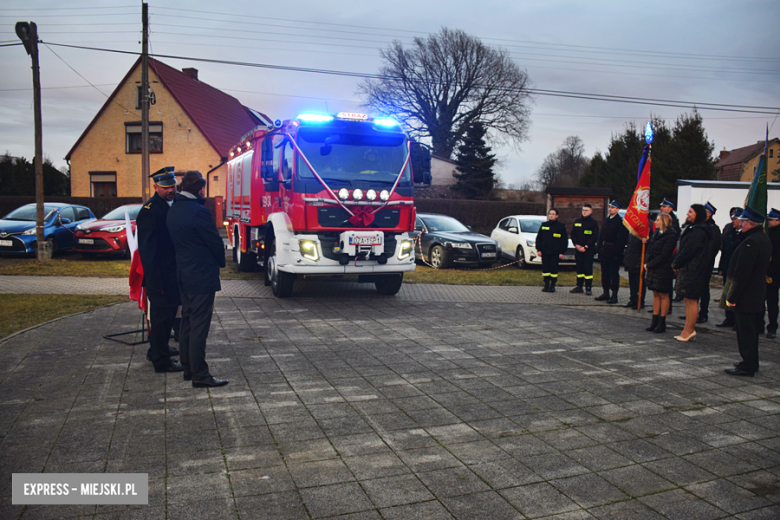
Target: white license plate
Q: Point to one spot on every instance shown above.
(568, 257)
(86, 241)
(365, 240)
(488, 255)
(7, 243)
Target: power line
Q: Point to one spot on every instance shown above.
(85, 79)
(589, 48)
(541, 92)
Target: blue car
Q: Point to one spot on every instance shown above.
(17, 229)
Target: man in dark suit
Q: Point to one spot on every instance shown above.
(611, 244)
(200, 253)
(159, 263)
(746, 290)
(773, 273)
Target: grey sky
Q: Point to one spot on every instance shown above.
(704, 52)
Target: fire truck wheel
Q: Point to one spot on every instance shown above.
(281, 282)
(390, 284)
(246, 261)
(235, 246)
(438, 257)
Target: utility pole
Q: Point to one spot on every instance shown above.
(145, 103)
(28, 33)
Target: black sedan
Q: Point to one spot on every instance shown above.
(444, 242)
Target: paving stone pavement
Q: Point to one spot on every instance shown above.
(471, 404)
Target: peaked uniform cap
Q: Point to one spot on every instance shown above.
(615, 204)
(164, 177)
(752, 215)
(667, 202)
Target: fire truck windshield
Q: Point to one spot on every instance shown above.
(353, 157)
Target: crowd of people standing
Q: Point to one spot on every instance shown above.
(680, 260)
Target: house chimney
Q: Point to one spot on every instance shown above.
(193, 73)
(724, 153)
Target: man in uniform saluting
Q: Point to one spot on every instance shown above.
(158, 259)
(584, 235)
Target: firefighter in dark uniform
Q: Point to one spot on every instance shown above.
(715, 237)
(667, 206)
(158, 258)
(773, 273)
(611, 245)
(551, 242)
(584, 235)
(746, 289)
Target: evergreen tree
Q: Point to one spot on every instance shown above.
(475, 163)
(17, 177)
(680, 153)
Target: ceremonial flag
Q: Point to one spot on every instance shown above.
(137, 293)
(637, 212)
(757, 196)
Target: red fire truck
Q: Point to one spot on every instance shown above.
(323, 195)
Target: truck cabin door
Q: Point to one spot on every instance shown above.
(287, 154)
(271, 160)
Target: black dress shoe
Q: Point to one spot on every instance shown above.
(577, 290)
(681, 317)
(612, 300)
(209, 383)
(172, 367)
(738, 372)
(738, 364)
(702, 319)
(725, 323)
(604, 297)
(629, 305)
(771, 335)
(187, 375)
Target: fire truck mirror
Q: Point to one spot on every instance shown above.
(325, 150)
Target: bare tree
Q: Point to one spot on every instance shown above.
(443, 84)
(565, 166)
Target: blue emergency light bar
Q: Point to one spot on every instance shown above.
(315, 118)
(385, 122)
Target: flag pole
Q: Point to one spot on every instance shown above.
(639, 299)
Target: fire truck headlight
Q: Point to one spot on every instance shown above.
(309, 250)
(357, 194)
(407, 246)
(371, 195)
(343, 193)
(384, 195)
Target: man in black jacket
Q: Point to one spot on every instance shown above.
(746, 291)
(584, 235)
(551, 242)
(611, 243)
(704, 301)
(158, 259)
(729, 241)
(773, 273)
(200, 253)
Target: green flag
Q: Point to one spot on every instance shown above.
(757, 197)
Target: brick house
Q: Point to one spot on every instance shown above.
(192, 126)
(741, 164)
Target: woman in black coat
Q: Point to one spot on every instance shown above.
(659, 276)
(692, 264)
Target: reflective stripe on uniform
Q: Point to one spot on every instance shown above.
(581, 276)
(554, 275)
(588, 277)
(545, 274)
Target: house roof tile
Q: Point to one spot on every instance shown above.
(221, 118)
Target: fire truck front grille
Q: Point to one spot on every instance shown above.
(328, 240)
(338, 218)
